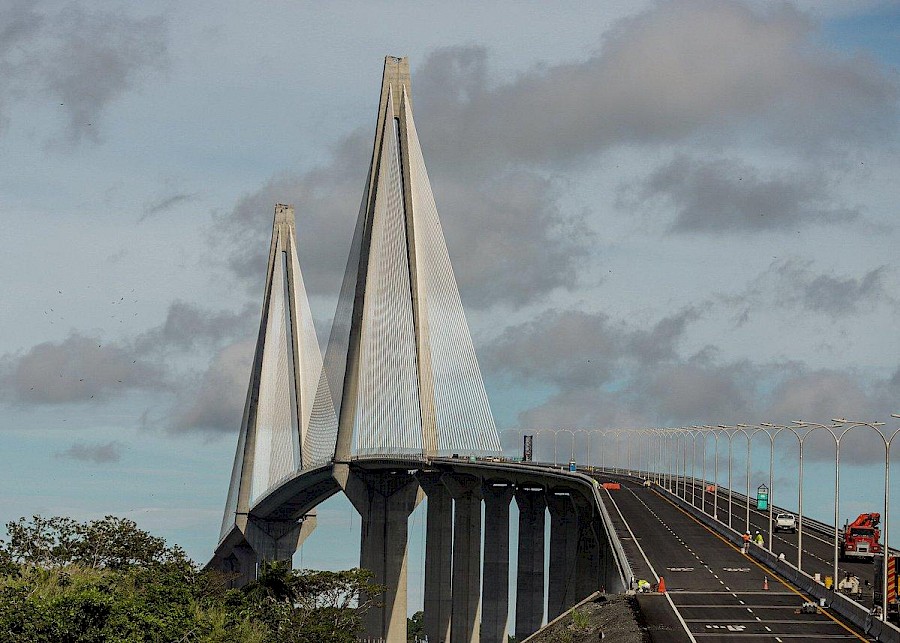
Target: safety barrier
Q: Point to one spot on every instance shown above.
(852, 611)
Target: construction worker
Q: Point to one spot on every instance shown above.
(758, 539)
(643, 586)
(746, 538)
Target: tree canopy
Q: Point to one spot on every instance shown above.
(63, 581)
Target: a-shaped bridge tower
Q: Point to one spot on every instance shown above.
(398, 392)
(405, 380)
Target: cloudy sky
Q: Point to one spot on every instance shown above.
(659, 213)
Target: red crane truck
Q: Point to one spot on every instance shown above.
(860, 539)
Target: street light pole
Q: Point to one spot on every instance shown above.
(748, 437)
(715, 433)
(701, 432)
(849, 426)
(727, 429)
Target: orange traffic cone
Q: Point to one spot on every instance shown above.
(765, 582)
(661, 588)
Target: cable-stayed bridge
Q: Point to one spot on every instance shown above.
(398, 392)
(380, 417)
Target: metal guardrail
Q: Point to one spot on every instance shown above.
(615, 543)
(854, 612)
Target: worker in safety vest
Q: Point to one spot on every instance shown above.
(643, 586)
(758, 539)
(746, 538)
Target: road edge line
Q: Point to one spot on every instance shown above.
(650, 565)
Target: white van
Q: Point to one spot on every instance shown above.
(786, 522)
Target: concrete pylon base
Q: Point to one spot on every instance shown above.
(384, 500)
(273, 540)
(240, 566)
(263, 541)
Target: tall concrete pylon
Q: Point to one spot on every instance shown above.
(400, 366)
(400, 363)
(287, 365)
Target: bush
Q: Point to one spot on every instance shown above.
(107, 581)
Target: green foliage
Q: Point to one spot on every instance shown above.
(415, 627)
(580, 620)
(110, 542)
(312, 606)
(107, 581)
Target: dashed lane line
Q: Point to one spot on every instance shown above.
(764, 569)
(811, 534)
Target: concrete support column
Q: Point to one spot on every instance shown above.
(438, 556)
(530, 573)
(495, 610)
(588, 578)
(384, 500)
(563, 549)
(465, 620)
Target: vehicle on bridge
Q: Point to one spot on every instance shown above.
(860, 538)
(786, 522)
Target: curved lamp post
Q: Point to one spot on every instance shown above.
(849, 426)
(715, 432)
(556, 437)
(588, 434)
(742, 428)
(728, 431)
(537, 434)
(700, 431)
(800, 441)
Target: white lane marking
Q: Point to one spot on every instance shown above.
(767, 628)
(653, 571)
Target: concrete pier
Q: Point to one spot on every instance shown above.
(563, 549)
(465, 620)
(384, 500)
(530, 573)
(495, 582)
(438, 557)
(590, 554)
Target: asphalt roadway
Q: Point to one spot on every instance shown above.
(714, 592)
(818, 548)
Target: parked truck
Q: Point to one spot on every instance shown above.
(893, 565)
(860, 539)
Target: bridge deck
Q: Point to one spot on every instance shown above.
(818, 548)
(716, 591)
